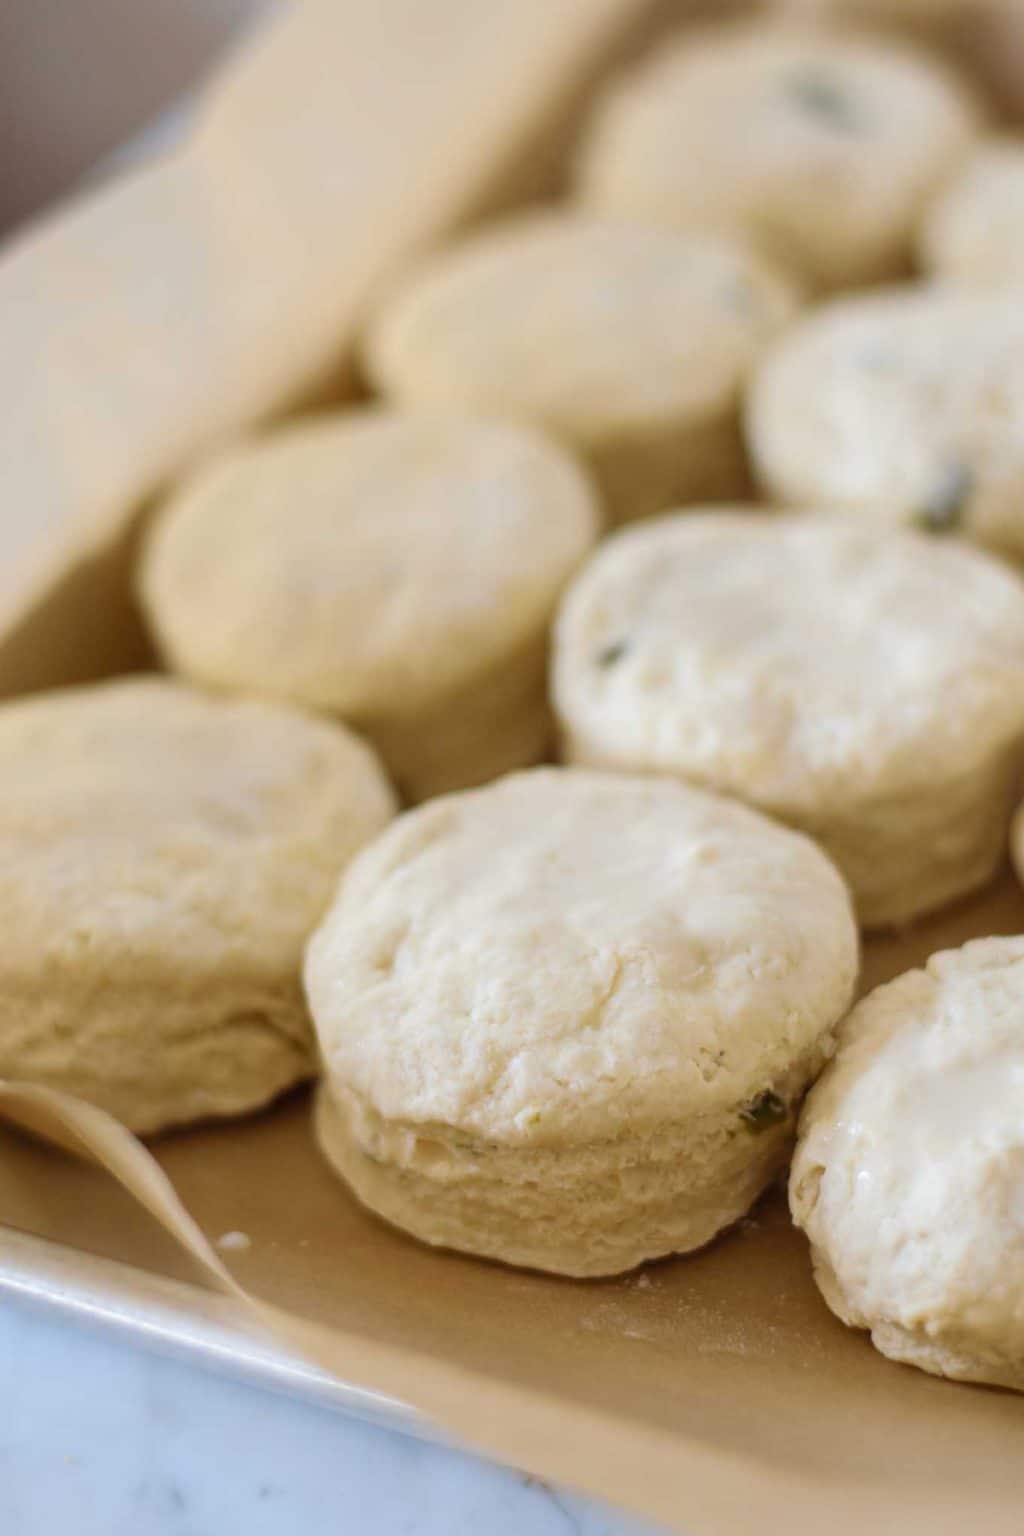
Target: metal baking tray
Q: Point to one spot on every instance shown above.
(182, 1321)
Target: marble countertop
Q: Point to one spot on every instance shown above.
(100, 1438)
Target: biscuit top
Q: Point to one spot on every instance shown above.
(366, 559)
(910, 1164)
(974, 232)
(906, 405)
(799, 659)
(145, 821)
(823, 150)
(591, 329)
(565, 956)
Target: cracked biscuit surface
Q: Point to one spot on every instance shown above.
(163, 857)
(565, 1019)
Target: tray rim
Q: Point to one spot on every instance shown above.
(185, 1322)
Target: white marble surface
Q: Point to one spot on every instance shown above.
(98, 1438)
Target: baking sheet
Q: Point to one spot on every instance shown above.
(729, 1354)
(179, 1319)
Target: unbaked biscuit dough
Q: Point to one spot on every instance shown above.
(565, 1019)
(974, 232)
(823, 150)
(908, 1176)
(867, 687)
(396, 570)
(904, 407)
(631, 344)
(982, 39)
(163, 857)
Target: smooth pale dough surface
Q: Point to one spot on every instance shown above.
(548, 1010)
(908, 1176)
(905, 407)
(163, 858)
(823, 150)
(868, 688)
(974, 233)
(631, 344)
(397, 570)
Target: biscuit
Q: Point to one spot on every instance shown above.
(633, 345)
(866, 688)
(974, 232)
(163, 858)
(905, 407)
(982, 39)
(822, 150)
(398, 571)
(565, 1019)
(909, 1167)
